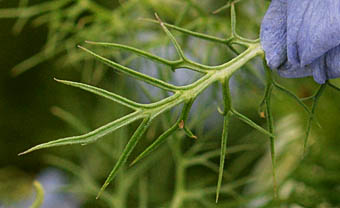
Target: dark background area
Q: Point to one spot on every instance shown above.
(25, 100)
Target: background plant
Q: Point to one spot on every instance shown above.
(180, 156)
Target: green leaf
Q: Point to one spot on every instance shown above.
(126, 152)
(192, 33)
(140, 76)
(270, 125)
(160, 140)
(226, 114)
(91, 136)
(333, 86)
(226, 6)
(235, 38)
(181, 63)
(172, 38)
(138, 52)
(103, 93)
(251, 123)
(223, 153)
(316, 99)
(292, 95)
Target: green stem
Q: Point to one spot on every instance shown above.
(227, 108)
(39, 195)
(316, 98)
(191, 33)
(270, 126)
(178, 196)
(333, 86)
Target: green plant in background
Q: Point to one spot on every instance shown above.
(72, 21)
(193, 163)
(39, 195)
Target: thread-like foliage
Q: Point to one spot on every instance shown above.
(183, 96)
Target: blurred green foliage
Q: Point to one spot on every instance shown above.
(40, 37)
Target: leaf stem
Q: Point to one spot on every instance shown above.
(270, 123)
(126, 152)
(150, 80)
(316, 99)
(227, 113)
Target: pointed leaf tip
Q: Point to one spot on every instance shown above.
(81, 47)
(90, 42)
(99, 194)
(159, 20)
(133, 162)
(57, 80)
(28, 151)
(144, 125)
(157, 17)
(21, 153)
